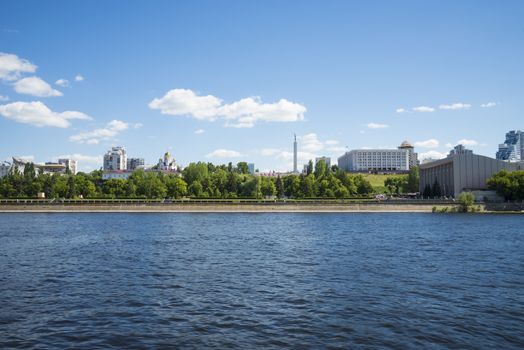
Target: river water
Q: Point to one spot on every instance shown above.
(359, 281)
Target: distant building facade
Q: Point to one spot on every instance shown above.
(512, 149)
(380, 160)
(5, 168)
(251, 168)
(47, 168)
(115, 159)
(462, 171)
(135, 163)
(117, 174)
(70, 164)
(326, 160)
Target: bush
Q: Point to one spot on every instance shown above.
(466, 200)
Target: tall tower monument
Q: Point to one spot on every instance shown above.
(295, 169)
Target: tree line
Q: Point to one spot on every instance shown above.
(197, 180)
(509, 185)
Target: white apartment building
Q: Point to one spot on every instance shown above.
(70, 164)
(115, 159)
(379, 160)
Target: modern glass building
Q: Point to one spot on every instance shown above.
(513, 147)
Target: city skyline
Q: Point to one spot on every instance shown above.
(193, 84)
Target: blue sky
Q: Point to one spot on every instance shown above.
(228, 81)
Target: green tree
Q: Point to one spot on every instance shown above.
(466, 200)
(292, 186)
(176, 187)
(196, 172)
(196, 189)
(321, 169)
(251, 188)
(309, 168)
(413, 180)
(308, 185)
(279, 184)
(242, 168)
(267, 187)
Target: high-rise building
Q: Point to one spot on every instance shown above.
(380, 160)
(251, 168)
(513, 147)
(295, 160)
(115, 159)
(135, 163)
(70, 164)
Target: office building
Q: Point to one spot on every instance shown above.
(251, 168)
(512, 149)
(115, 159)
(462, 171)
(379, 160)
(135, 163)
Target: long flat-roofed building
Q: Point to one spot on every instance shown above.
(379, 160)
(462, 170)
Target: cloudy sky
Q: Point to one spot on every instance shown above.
(233, 81)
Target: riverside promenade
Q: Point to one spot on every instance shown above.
(218, 205)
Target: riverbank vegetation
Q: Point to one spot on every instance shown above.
(197, 180)
(509, 185)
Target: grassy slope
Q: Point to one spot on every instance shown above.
(377, 181)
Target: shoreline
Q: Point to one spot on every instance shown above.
(224, 208)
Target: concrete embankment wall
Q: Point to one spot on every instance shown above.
(368, 207)
(504, 206)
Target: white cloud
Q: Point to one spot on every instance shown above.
(223, 153)
(311, 143)
(337, 149)
(79, 77)
(423, 109)
(377, 126)
(85, 162)
(400, 110)
(331, 142)
(431, 143)
(199, 131)
(432, 155)
(455, 106)
(4, 98)
(112, 129)
(82, 158)
(27, 158)
(467, 142)
(137, 125)
(11, 66)
(488, 105)
(38, 114)
(62, 82)
(267, 152)
(449, 145)
(240, 114)
(36, 87)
